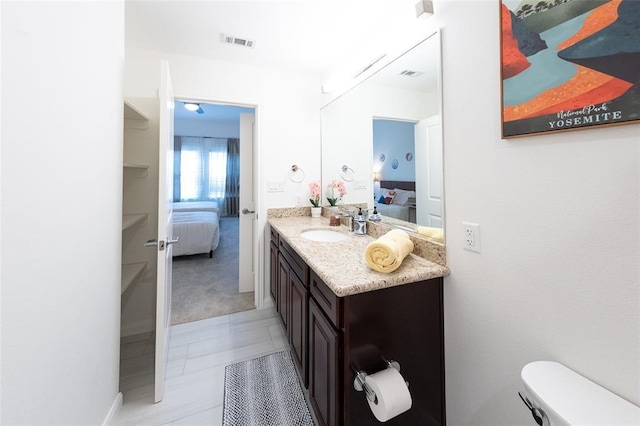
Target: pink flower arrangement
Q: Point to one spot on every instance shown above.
(336, 186)
(315, 193)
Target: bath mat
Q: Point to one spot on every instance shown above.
(264, 391)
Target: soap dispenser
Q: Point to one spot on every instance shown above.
(360, 223)
(375, 216)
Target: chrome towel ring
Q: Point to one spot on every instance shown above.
(296, 171)
(345, 170)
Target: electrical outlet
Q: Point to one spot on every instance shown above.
(298, 200)
(471, 236)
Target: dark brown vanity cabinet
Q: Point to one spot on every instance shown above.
(334, 337)
(325, 368)
(292, 298)
(273, 270)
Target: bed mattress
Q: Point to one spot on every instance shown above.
(394, 210)
(196, 206)
(197, 232)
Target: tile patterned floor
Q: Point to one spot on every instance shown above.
(198, 354)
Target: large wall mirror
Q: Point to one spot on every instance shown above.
(383, 140)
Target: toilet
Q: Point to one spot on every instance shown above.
(558, 396)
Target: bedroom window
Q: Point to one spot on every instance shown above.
(203, 168)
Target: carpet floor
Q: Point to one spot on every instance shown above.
(204, 287)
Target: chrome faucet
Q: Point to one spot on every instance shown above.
(350, 214)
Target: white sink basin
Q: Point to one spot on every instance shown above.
(323, 235)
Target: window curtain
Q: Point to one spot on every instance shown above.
(177, 147)
(202, 169)
(232, 186)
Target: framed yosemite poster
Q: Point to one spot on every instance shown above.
(569, 64)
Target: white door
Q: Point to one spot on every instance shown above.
(429, 184)
(165, 229)
(248, 221)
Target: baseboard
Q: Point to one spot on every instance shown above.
(267, 303)
(114, 410)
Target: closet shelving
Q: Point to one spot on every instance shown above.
(128, 220)
(133, 271)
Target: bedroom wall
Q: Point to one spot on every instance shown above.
(394, 139)
(61, 177)
(211, 128)
(558, 276)
(287, 120)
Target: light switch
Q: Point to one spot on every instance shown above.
(360, 184)
(275, 185)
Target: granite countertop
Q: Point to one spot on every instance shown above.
(341, 264)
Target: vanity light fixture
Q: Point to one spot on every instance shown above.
(343, 84)
(424, 9)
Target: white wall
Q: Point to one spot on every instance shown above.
(558, 275)
(287, 118)
(210, 128)
(347, 133)
(61, 179)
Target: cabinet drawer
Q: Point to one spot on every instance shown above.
(326, 299)
(295, 261)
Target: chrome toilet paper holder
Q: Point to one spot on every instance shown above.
(360, 385)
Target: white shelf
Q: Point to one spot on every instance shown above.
(128, 220)
(131, 273)
(135, 166)
(132, 113)
(138, 171)
(133, 118)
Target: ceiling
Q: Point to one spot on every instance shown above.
(309, 36)
(211, 112)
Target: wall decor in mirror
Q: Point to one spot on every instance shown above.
(388, 129)
(569, 65)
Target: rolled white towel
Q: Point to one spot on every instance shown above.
(387, 252)
(435, 233)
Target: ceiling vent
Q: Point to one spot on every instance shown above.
(237, 41)
(410, 73)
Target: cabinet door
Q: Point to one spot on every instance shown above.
(273, 280)
(324, 367)
(298, 324)
(284, 271)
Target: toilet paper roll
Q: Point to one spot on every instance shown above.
(393, 397)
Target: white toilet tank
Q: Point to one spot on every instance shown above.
(566, 398)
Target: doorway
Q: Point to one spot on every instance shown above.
(213, 152)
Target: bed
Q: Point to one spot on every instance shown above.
(401, 199)
(197, 232)
(196, 206)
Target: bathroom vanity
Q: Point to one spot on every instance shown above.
(341, 317)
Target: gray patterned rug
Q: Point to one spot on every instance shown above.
(265, 391)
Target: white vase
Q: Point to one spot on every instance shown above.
(316, 211)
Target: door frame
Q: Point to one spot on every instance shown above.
(258, 285)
